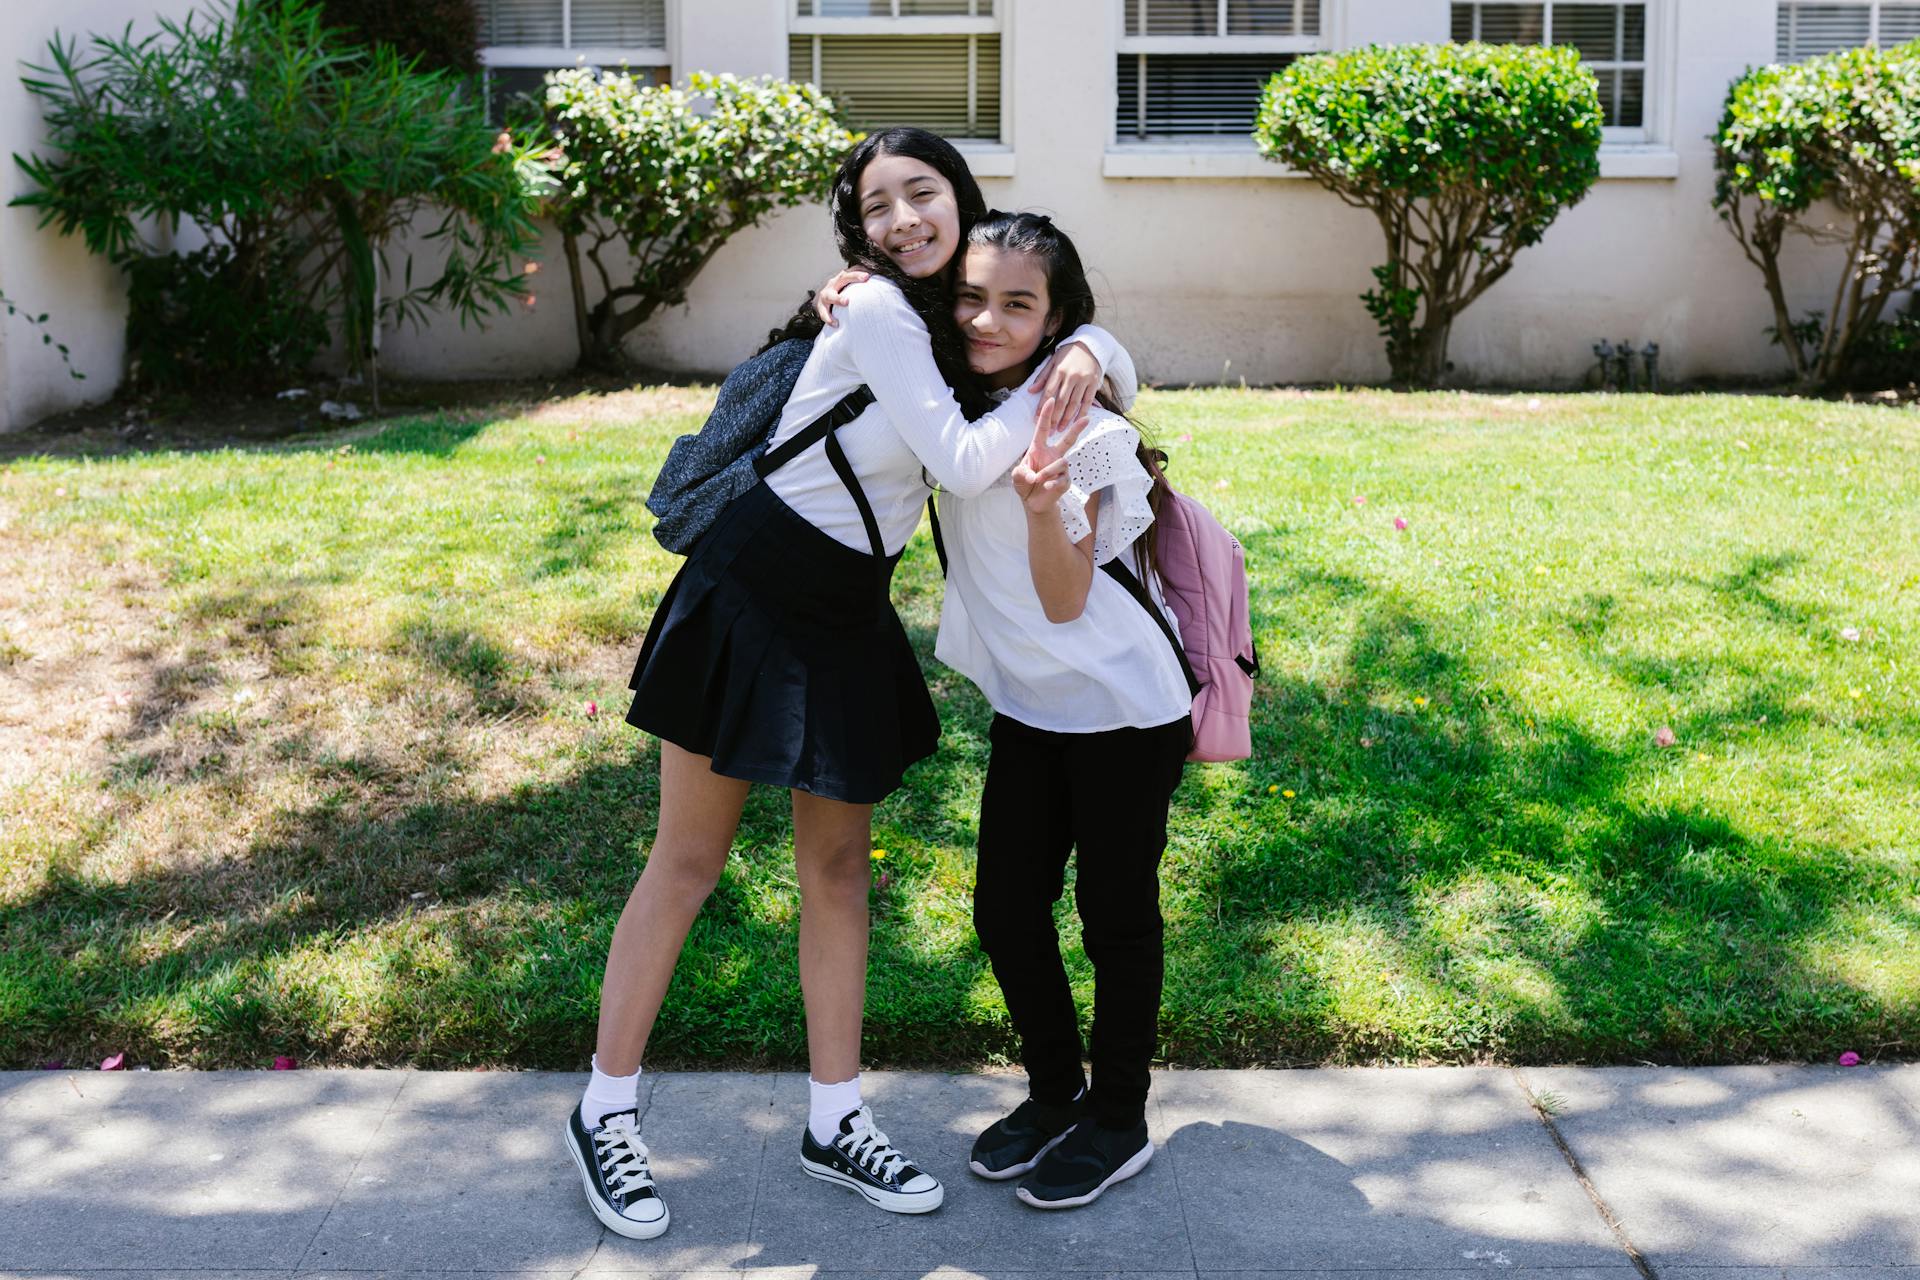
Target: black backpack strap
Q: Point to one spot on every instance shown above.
(851, 406)
(939, 543)
(1116, 569)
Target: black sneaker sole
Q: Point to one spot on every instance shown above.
(1134, 1164)
(1014, 1171)
(893, 1202)
(608, 1218)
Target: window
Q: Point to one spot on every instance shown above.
(1611, 38)
(1194, 69)
(1809, 30)
(930, 63)
(522, 40)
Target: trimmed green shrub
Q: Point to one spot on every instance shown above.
(301, 159)
(1464, 154)
(672, 179)
(1796, 142)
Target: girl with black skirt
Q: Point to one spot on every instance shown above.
(776, 657)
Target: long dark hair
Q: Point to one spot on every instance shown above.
(1070, 305)
(931, 298)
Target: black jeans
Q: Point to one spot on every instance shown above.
(1105, 794)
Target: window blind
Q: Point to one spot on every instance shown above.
(573, 24)
(1805, 31)
(949, 84)
(1611, 38)
(896, 8)
(1185, 95)
(1204, 18)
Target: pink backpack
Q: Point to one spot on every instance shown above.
(1203, 574)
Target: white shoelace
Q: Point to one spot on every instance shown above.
(867, 1147)
(623, 1157)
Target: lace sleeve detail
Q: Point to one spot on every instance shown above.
(1104, 462)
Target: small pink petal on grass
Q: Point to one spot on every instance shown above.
(1849, 1059)
(539, 459)
(593, 709)
(1849, 633)
(1359, 500)
(284, 1063)
(118, 1062)
(1664, 737)
(1366, 742)
(1400, 522)
(1534, 404)
(1186, 437)
(1223, 484)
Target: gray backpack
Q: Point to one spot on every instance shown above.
(705, 471)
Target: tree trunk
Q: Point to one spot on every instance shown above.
(1426, 362)
(582, 335)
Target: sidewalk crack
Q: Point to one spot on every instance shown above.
(766, 1133)
(1605, 1210)
(347, 1181)
(1179, 1194)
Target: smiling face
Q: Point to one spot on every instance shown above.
(1001, 305)
(909, 213)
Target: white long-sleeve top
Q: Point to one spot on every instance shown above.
(1110, 668)
(915, 427)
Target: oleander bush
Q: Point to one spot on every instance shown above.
(1796, 144)
(300, 158)
(670, 174)
(1464, 153)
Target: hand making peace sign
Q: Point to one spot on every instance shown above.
(1040, 478)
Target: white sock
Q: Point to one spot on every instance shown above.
(829, 1104)
(607, 1094)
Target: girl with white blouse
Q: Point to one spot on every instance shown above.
(776, 657)
(1090, 731)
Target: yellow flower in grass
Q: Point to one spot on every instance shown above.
(878, 854)
(1420, 701)
(1287, 794)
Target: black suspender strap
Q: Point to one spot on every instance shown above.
(1117, 570)
(939, 544)
(851, 406)
(844, 469)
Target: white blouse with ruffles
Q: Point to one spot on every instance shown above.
(913, 430)
(1110, 668)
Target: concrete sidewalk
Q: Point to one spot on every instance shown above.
(1719, 1174)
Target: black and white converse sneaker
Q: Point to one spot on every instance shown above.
(1088, 1161)
(613, 1168)
(1013, 1145)
(860, 1157)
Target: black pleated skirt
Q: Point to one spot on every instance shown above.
(777, 652)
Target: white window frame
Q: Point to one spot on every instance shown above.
(988, 158)
(1647, 64)
(1140, 46)
(1873, 8)
(566, 54)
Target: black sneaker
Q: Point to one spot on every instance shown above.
(1012, 1146)
(1088, 1161)
(613, 1168)
(860, 1157)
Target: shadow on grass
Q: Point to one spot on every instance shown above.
(1457, 878)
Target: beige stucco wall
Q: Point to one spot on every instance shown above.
(1256, 277)
(1206, 277)
(43, 271)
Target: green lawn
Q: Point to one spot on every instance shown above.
(295, 754)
